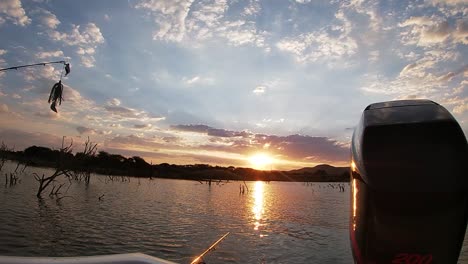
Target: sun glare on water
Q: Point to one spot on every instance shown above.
(261, 161)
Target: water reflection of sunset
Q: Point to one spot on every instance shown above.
(258, 205)
(354, 192)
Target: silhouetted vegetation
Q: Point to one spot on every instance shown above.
(62, 164)
(82, 164)
(11, 178)
(4, 151)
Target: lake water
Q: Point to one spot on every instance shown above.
(275, 222)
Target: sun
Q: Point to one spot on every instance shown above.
(261, 161)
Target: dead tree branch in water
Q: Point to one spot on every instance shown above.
(13, 177)
(4, 149)
(60, 169)
(84, 158)
(56, 192)
(247, 187)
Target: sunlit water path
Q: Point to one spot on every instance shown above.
(176, 220)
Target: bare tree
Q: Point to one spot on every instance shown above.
(60, 169)
(4, 149)
(13, 178)
(84, 170)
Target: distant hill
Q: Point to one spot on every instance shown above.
(330, 170)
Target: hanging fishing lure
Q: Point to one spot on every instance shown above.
(67, 68)
(56, 95)
(57, 89)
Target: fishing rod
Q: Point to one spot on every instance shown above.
(199, 258)
(35, 64)
(57, 90)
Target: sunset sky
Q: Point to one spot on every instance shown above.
(279, 84)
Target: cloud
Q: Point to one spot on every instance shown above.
(210, 131)
(419, 21)
(49, 54)
(88, 50)
(317, 149)
(171, 139)
(115, 108)
(198, 80)
(114, 102)
(48, 115)
(1, 74)
(47, 72)
(374, 56)
(448, 2)
(429, 73)
(9, 114)
(193, 22)
(301, 147)
(20, 140)
(14, 12)
(87, 35)
(450, 75)
(461, 108)
(346, 26)
(293, 147)
(252, 8)
(208, 21)
(86, 39)
(428, 31)
(208, 14)
(3, 109)
(46, 18)
(85, 130)
(76, 101)
(123, 111)
(435, 33)
(88, 61)
(166, 149)
(74, 107)
(461, 87)
(170, 16)
(192, 80)
(458, 104)
(368, 8)
(242, 33)
(143, 126)
(134, 142)
(259, 90)
(318, 46)
(460, 35)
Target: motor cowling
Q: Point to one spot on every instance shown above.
(409, 195)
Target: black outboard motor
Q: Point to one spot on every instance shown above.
(409, 178)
